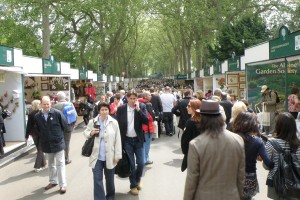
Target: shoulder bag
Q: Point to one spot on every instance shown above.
(88, 147)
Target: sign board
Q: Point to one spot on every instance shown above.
(234, 64)
(6, 56)
(50, 66)
(99, 76)
(83, 74)
(181, 77)
(206, 71)
(288, 44)
(217, 67)
(273, 74)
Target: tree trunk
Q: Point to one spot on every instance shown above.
(46, 29)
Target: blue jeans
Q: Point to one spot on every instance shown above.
(148, 139)
(134, 147)
(99, 193)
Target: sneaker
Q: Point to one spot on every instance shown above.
(139, 185)
(134, 191)
(39, 169)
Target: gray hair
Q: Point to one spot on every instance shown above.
(35, 104)
(218, 92)
(61, 95)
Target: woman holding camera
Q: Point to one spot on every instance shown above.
(107, 151)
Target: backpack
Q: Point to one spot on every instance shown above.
(277, 97)
(286, 179)
(70, 113)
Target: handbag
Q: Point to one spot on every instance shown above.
(265, 116)
(88, 147)
(155, 133)
(123, 167)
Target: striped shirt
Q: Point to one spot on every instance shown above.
(273, 155)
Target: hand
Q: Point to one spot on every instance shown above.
(137, 106)
(115, 161)
(95, 132)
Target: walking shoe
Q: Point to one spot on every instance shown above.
(62, 190)
(134, 191)
(49, 186)
(139, 185)
(68, 162)
(39, 169)
(149, 162)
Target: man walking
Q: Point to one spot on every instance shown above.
(60, 105)
(157, 107)
(180, 109)
(269, 100)
(130, 117)
(168, 101)
(51, 124)
(216, 159)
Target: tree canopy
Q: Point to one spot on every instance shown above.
(142, 37)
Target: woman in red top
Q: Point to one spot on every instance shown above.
(114, 105)
(148, 128)
(293, 102)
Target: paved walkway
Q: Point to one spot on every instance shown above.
(161, 181)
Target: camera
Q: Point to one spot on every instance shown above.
(96, 126)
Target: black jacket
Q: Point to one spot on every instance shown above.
(51, 132)
(156, 104)
(191, 131)
(180, 110)
(31, 128)
(227, 105)
(140, 117)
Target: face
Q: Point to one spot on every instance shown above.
(190, 110)
(148, 97)
(46, 104)
(102, 98)
(131, 100)
(103, 112)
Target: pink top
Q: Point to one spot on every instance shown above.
(293, 105)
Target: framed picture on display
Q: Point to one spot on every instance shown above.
(44, 86)
(232, 79)
(234, 90)
(242, 79)
(242, 94)
(43, 78)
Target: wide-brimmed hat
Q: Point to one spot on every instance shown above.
(210, 107)
(264, 88)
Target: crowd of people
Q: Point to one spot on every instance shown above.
(221, 140)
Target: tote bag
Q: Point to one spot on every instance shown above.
(265, 116)
(88, 147)
(155, 126)
(123, 167)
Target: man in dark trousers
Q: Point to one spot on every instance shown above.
(157, 107)
(180, 108)
(130, 117)
(60, 105)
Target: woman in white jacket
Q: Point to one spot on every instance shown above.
(107, 151)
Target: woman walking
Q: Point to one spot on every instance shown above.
(286, 137)
(107, 151)
(191, 129)
(31, 129)
(245, 124)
